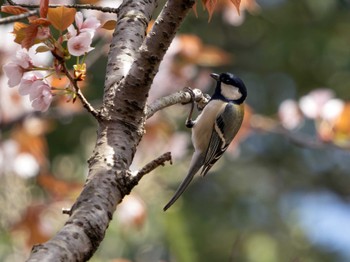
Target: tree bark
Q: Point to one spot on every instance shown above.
(133, 61)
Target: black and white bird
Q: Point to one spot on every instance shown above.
(215, 127)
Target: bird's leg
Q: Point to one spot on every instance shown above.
(189, 122)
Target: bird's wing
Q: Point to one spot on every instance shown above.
(225, 128)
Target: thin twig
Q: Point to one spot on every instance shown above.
(67, 211)
(14, 18)
(79, 94)
(159, 161)
(182, 97)
(78, 6)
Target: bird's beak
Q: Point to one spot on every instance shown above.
(215, 76)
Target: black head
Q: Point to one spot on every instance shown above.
(229, 88)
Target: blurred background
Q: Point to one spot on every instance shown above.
(280, 192)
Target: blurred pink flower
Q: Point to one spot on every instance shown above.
(12, 160)
(289, 114)
(40, 95)
(23, 59)
(132, 212)
(26, 84)
(311, 104)
(80, 44)
(332, 109)
(15, 69)
(14, 73)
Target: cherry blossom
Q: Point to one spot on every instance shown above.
(289, 114)
(80, 44)
(71, 31)
(41, 96)
(311, 104)
(15, 69)
(89, 25)
(28, 83)
(79, 41)
(23, 59)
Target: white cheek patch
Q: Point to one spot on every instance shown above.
(230, 92)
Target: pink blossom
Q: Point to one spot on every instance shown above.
(15, 69)
(79, 41)
(311, 104)
(80, 44)
(289, 114)
(41, 96)
(23, 59)
(71, 31)
(14, 73)
(28, 82)
(89, 25)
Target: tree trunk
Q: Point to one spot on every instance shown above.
(133, 61)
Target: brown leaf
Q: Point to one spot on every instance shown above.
(209, 5)
(30, 35)
(14, 10)
(25, 35)
(61, 17)
(19, 31)
(194, 51)
(212, 56)
(58, 188)
(109, 25)
(18, 26)
(237, 4)
(42, 49)
(150, 25)
(342, 123)
(44, 7)
(40, 21)
(32, 143)
(31, 225)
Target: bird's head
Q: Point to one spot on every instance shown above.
(229, 88)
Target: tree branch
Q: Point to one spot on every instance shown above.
(79, 94)
(77, 6)
(159, 161)
(14, 18)
(132, 64)
(156, 44)
(182, 97)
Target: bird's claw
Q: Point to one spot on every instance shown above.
(189, 122)
(190, 91)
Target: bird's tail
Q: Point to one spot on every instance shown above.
(180, 190)
(184, 184)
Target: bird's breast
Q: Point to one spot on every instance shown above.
(201, 132)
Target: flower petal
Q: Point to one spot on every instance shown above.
(79, 20)
(14, 73)
(80, 44)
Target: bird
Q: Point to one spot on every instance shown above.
(215, 127)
